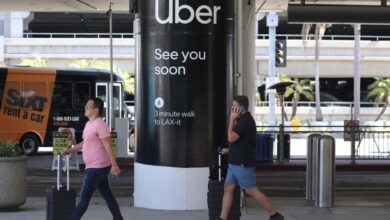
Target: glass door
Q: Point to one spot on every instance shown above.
(117, 98)
(102, 92)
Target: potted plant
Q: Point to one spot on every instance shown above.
(13, 181)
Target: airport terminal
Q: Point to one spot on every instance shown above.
(314, 71)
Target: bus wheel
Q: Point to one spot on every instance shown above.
(132, 142)
(29, 144)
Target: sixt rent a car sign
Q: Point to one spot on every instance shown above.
(25, 101)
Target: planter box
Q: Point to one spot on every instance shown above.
(13, 182)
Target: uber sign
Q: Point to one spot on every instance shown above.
(202, 14)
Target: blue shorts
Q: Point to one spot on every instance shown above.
(242, 176)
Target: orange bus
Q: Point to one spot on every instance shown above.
(34, 102)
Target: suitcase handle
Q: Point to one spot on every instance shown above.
(59, 168)
(219, 166)
(67, 172)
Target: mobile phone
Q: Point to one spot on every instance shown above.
(240, 109)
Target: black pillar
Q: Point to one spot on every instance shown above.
(184, 74)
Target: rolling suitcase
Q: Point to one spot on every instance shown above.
(218, 166)
(60, 201)
(215, 195)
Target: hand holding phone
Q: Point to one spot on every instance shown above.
(240, 109)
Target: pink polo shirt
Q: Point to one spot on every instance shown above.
(94, 153)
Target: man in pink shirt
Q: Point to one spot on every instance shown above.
(99, 160)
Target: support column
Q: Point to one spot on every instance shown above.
(184, 68)
(3, 18)
(272, 23)
(238, 50)
(249, 24)
(1, 49)
(357, 75)
(6, 24)
(2, 23)
(17, 23)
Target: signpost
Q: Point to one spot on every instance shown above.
(60, 141)
(114, 141)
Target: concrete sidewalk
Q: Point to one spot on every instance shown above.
(362, 193)
(346, 208)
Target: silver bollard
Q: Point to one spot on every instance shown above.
(311, 164)
(326, 172)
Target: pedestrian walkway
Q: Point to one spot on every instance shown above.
(362, 193)
(297, 208)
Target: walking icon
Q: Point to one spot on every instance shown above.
(159, 102)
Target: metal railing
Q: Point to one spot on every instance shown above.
(77, 35)
(365, 142)
(325, 37)
(373, 143)
(259, 36)
(324, 104)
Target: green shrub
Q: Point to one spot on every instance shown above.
(9, 148)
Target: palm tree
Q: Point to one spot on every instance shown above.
(301, 87)
(380, 90)
(319, 33)
(129, 82)
(35, 61)
(83, 64)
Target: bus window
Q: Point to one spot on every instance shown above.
(101, 92)
(117, 100)
(62, 95)
(82, 94)
(35, 89)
